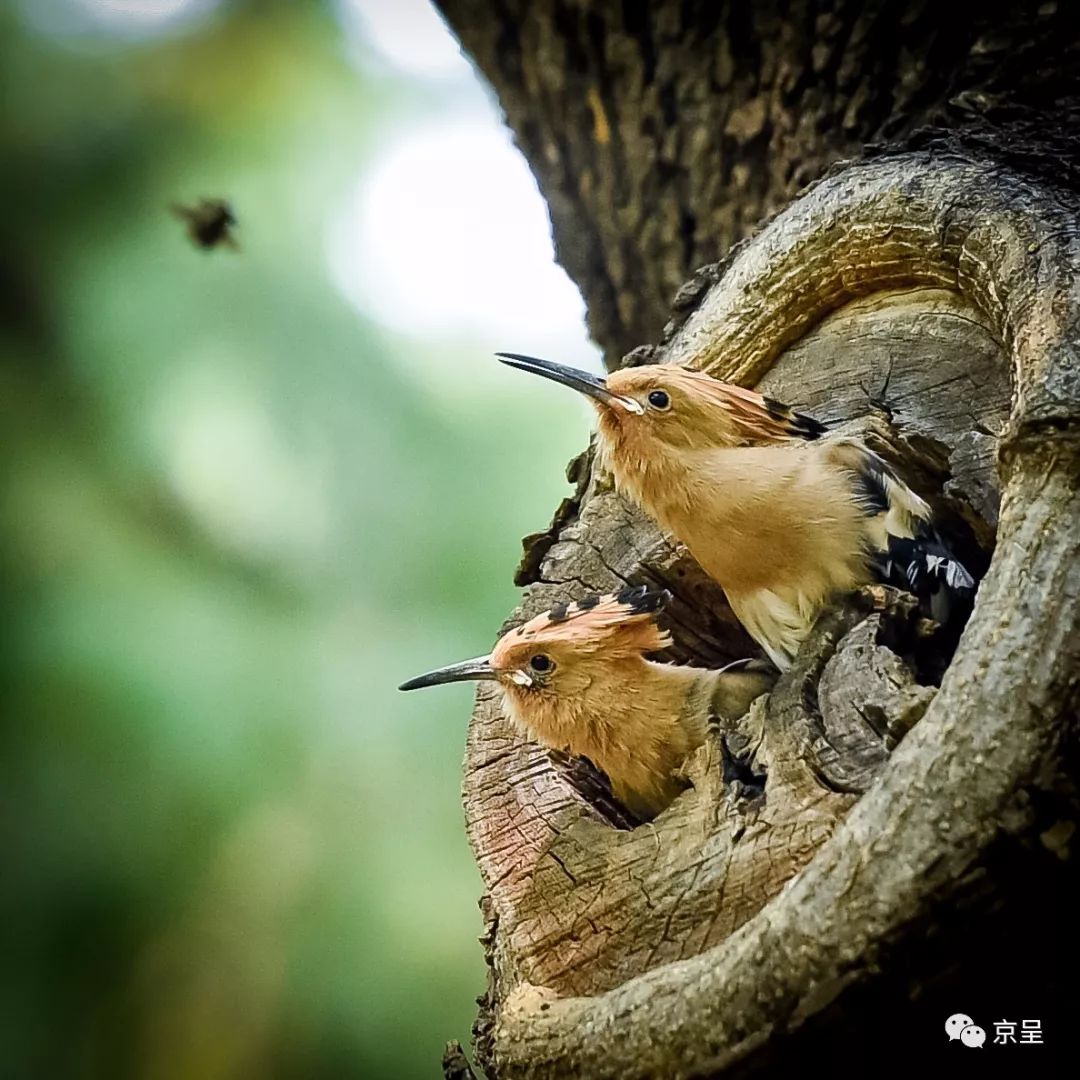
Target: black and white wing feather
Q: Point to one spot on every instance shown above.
(906, 550)
(923, 565)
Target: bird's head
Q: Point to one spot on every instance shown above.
(646, 409)
(569, 655)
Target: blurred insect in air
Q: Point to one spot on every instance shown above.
(210, 223)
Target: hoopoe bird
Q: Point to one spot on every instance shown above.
(578, 679)
(782, 515)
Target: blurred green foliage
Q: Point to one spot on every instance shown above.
(233, 521)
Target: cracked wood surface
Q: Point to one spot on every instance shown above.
(909, 288)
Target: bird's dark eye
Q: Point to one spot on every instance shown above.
(541, 663)
(658, 399)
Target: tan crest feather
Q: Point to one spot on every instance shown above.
(756, 417)
(761, 418)
(625, 620)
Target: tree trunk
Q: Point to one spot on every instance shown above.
(927, 294)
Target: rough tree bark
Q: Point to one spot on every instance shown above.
(847, 851)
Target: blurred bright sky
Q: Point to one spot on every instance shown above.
(448, 237)
(407, 34)
(450, 214)
(73, 19)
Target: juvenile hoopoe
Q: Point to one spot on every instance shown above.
(576, 678)
(782, 515)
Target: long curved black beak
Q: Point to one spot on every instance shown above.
(477, 669)
(582, 381)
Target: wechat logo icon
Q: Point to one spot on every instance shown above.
(961, 1026)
